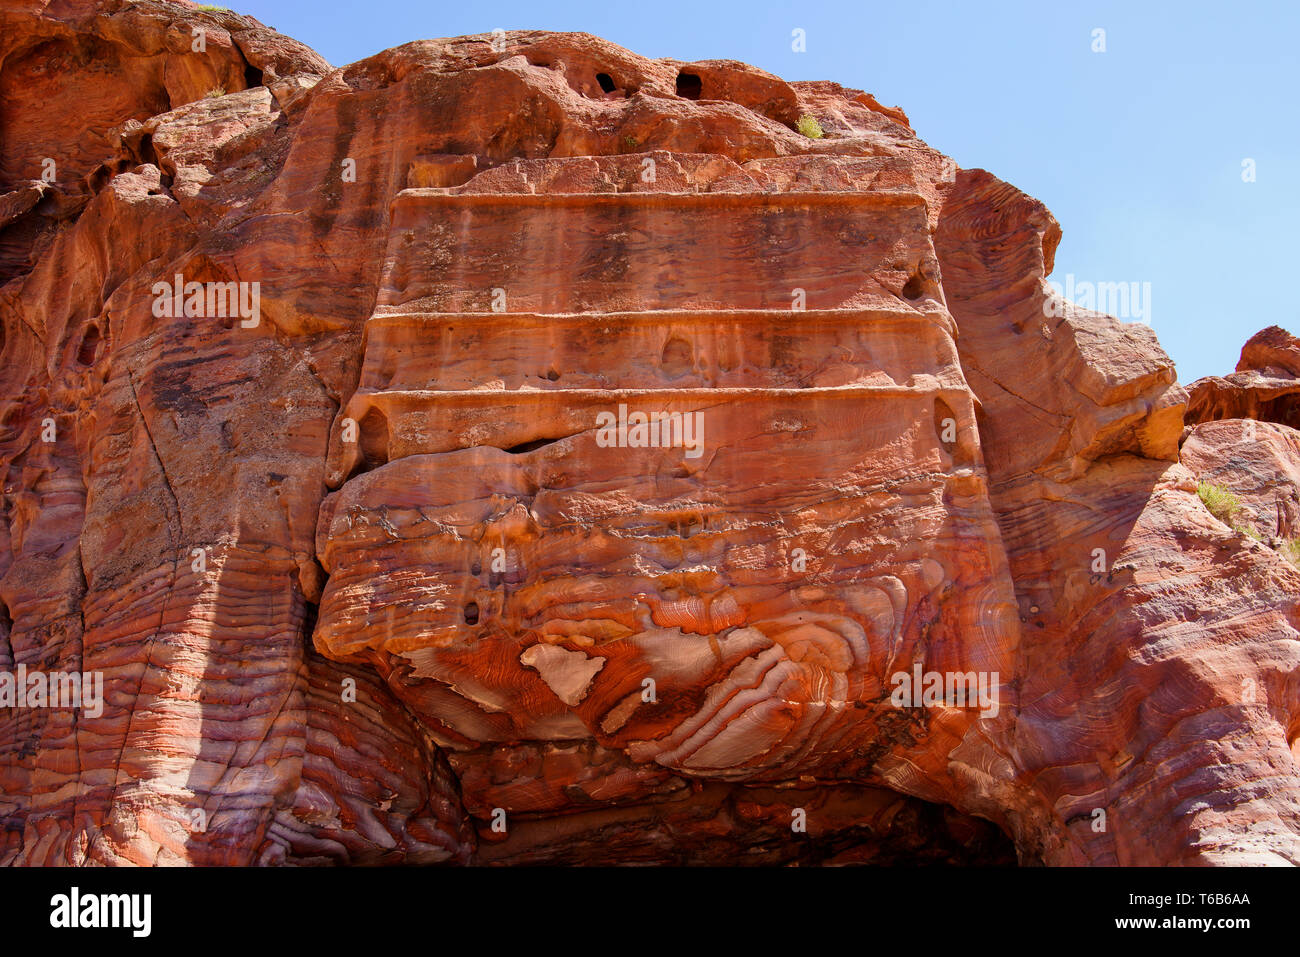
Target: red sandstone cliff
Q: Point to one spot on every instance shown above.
(367, 584)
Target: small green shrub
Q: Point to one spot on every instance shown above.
(1222, 504)
(1226, 507)
(216, 92)
(809, 127)
(1290, 550)
(211, 7)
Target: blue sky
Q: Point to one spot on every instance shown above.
(1138, 150)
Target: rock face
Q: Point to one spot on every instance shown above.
(1266, 385)
(1242, 436)
(585, 467)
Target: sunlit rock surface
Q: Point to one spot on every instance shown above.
(389, 570)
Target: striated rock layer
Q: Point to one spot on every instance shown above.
(379, 564)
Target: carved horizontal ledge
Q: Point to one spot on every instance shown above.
(696, 398)
(466, 352)
(847, 425)
(867, 199)
(388, 316)
(635, 252)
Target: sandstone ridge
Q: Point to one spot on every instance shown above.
(368, 582)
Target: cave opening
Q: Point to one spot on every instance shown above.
(1284, 410)
(689, 86)
(89, 346)
(6, 628)
(145, 151)
(532, 446)
(374, 439)
(606, 82)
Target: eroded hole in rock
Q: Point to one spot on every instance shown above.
(471, 613)
(606, 82)
(89, 346)
(553, 375)
(99, 178)
(1284, 410)
(6, 628)
(919, 833)
(310, 614)
(945, 424)
(531, 446)
(145, 152)
(689, 86)
(252, 76)
(873, 827)
(373, 440)
(914, 288)
(677, 358)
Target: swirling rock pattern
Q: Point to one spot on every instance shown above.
(394, 573)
